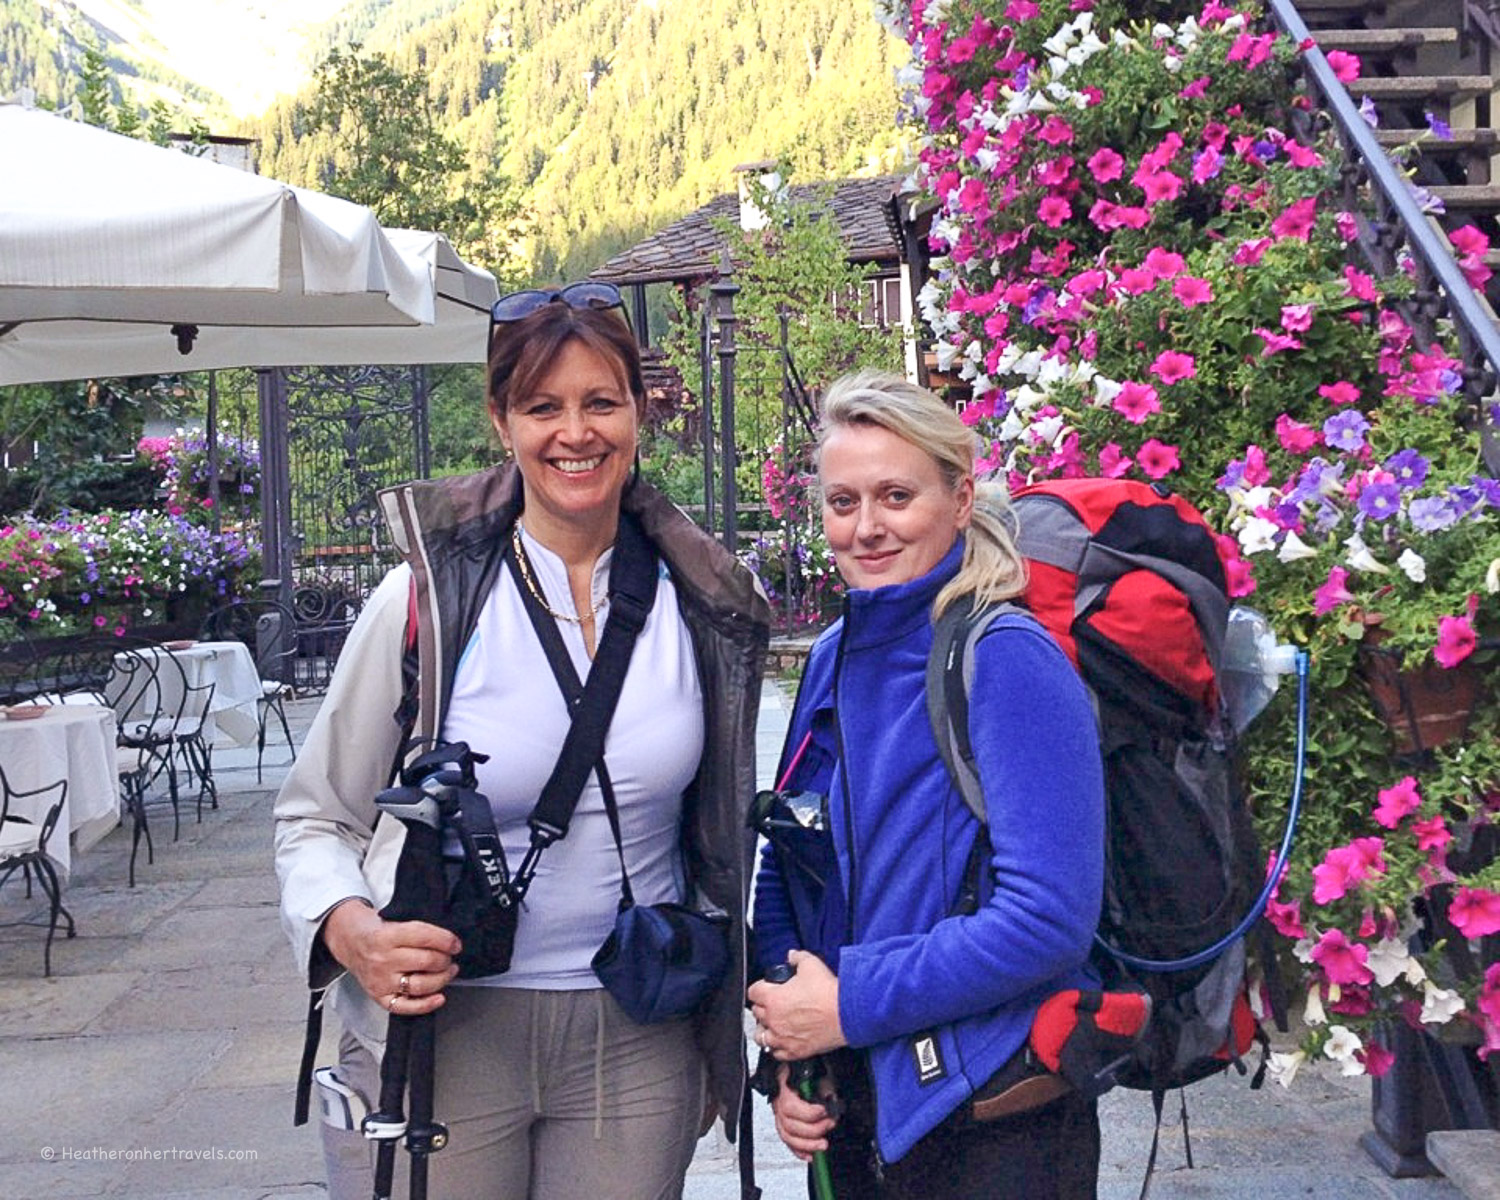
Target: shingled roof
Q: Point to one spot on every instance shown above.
(691, 247)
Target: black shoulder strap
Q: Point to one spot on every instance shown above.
(950, 672)
(632, 591)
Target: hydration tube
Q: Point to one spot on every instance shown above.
(1273, 877)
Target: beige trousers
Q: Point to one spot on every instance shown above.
(546, 1096)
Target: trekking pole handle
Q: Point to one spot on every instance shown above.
(803, 1075)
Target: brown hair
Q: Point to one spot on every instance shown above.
(522, 352)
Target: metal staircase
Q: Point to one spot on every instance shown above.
(1430, 70)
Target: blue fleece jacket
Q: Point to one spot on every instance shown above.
(940, 1001)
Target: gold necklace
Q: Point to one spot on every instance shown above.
(536, 592)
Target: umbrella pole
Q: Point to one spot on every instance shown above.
(215, 521)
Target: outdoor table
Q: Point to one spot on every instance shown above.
(76, 741)
(229, 666)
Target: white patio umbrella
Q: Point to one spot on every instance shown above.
(115, 255)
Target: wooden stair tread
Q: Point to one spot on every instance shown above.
(1468, 196)
(1411, 87)
(1372, 40)
(1462, 139)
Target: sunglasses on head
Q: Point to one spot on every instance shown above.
(587, 294)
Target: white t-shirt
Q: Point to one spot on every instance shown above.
(506, 703)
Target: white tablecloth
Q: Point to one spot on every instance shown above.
(230, 667)
(76, 742)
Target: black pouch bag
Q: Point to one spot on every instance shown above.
(662, 961)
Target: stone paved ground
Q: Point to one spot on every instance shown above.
(157, 1062)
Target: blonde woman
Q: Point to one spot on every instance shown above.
(914, 999)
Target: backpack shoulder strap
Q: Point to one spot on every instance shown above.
(950, 675)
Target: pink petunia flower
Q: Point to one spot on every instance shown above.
(1456, 641)
(1360, 285)
(1345, 65)
(1054, 211)
(1173, 366)
(1196, 89)
(1296, 318)
(1487, 1006)
(1475, 912)
(1276, 342)
(1192, 291)
(1297, 221)
(1334, 592)
(1137, 281)
(1345, 867)
(1302, 156)
(1056, 132)
(1295, 437)
(1343, 961)
(1164, 263)
(1106, 165)
(1136, 401)
(1113, 462)
(1469, 240)
(1157, 459)
(1159, 186)
(1239, 578)
(1376, 1058)
(1342, 392)
(1397, 803)
(1285, 918)
(1250, 252)
(1431, 834)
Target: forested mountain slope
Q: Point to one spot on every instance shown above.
(607, 118)
(612, 118)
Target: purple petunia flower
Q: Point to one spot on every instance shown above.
(1488, 488)
(1380, 501)
(1451, 381)
(1409, 468)
(1440, 128)
(1368, 111)
(1264, 150)
(1431, 513)
(1346, 430)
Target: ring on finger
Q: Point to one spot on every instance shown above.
(390, 1005)
(403, 986)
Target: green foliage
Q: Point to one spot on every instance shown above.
(459, 431)
(797, 289)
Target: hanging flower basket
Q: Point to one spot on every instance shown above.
(1423, 707)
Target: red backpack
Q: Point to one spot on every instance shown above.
(1128, 579)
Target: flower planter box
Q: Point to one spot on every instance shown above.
(1424, 707)
(1432, 1085)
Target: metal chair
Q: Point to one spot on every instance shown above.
(269, 629)
(147, 717)
(23, 847)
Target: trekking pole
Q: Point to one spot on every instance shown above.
(408, 1062)
(803, 1076)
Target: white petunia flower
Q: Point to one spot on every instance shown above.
(1439, 1005)
(1313, 1014)
(1342, 1045)
(1257, 535)
(1293, 548)
(1360, 558)
(1283, 1067)
(1492, 577)
(1413, 565)
(1389, 960)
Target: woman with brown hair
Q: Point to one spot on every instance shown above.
(547, 1088)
